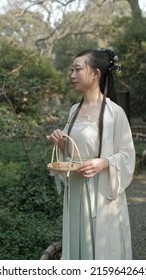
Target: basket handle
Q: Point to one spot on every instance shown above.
(55, 149)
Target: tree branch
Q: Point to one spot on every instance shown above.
(18, 122)
(65, 4)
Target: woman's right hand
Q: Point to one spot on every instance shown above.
(55, 136)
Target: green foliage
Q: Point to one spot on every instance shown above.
(131, 45)
(22, 26)
(26, 235)
(66, 49)
(8, 124)
(36, 125)
(30, 208)
(27, 78)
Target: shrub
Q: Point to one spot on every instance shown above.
(31, 209)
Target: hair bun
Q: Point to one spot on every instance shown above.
(113, 60)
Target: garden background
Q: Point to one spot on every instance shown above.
(38, 40)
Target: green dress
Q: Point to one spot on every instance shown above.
(82, 193)
(82, 217)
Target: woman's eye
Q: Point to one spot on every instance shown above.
(75, 69)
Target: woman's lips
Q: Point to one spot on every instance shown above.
(74, 83)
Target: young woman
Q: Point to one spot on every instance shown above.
(95, 217)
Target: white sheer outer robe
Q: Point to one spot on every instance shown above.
(112, 219)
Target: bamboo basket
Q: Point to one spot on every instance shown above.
(65, 166)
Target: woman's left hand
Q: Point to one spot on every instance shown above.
(92, 167)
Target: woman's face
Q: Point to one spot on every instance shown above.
(82, 74)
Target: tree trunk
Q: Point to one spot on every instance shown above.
(135, 8)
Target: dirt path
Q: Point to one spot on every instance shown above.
(136, 196)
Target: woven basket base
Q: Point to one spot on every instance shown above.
(63, 166)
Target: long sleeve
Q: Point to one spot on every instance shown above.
(122, 160)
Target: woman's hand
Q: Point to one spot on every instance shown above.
(57, 137)
(93, 166)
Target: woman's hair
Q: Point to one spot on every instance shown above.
(107, 62)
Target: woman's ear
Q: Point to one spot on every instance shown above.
(97, 74)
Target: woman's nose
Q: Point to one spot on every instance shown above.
(73, 75)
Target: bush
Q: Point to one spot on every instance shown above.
(26, 235)
(31, 209)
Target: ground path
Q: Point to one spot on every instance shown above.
(136, 196)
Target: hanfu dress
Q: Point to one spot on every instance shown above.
(95, 215)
